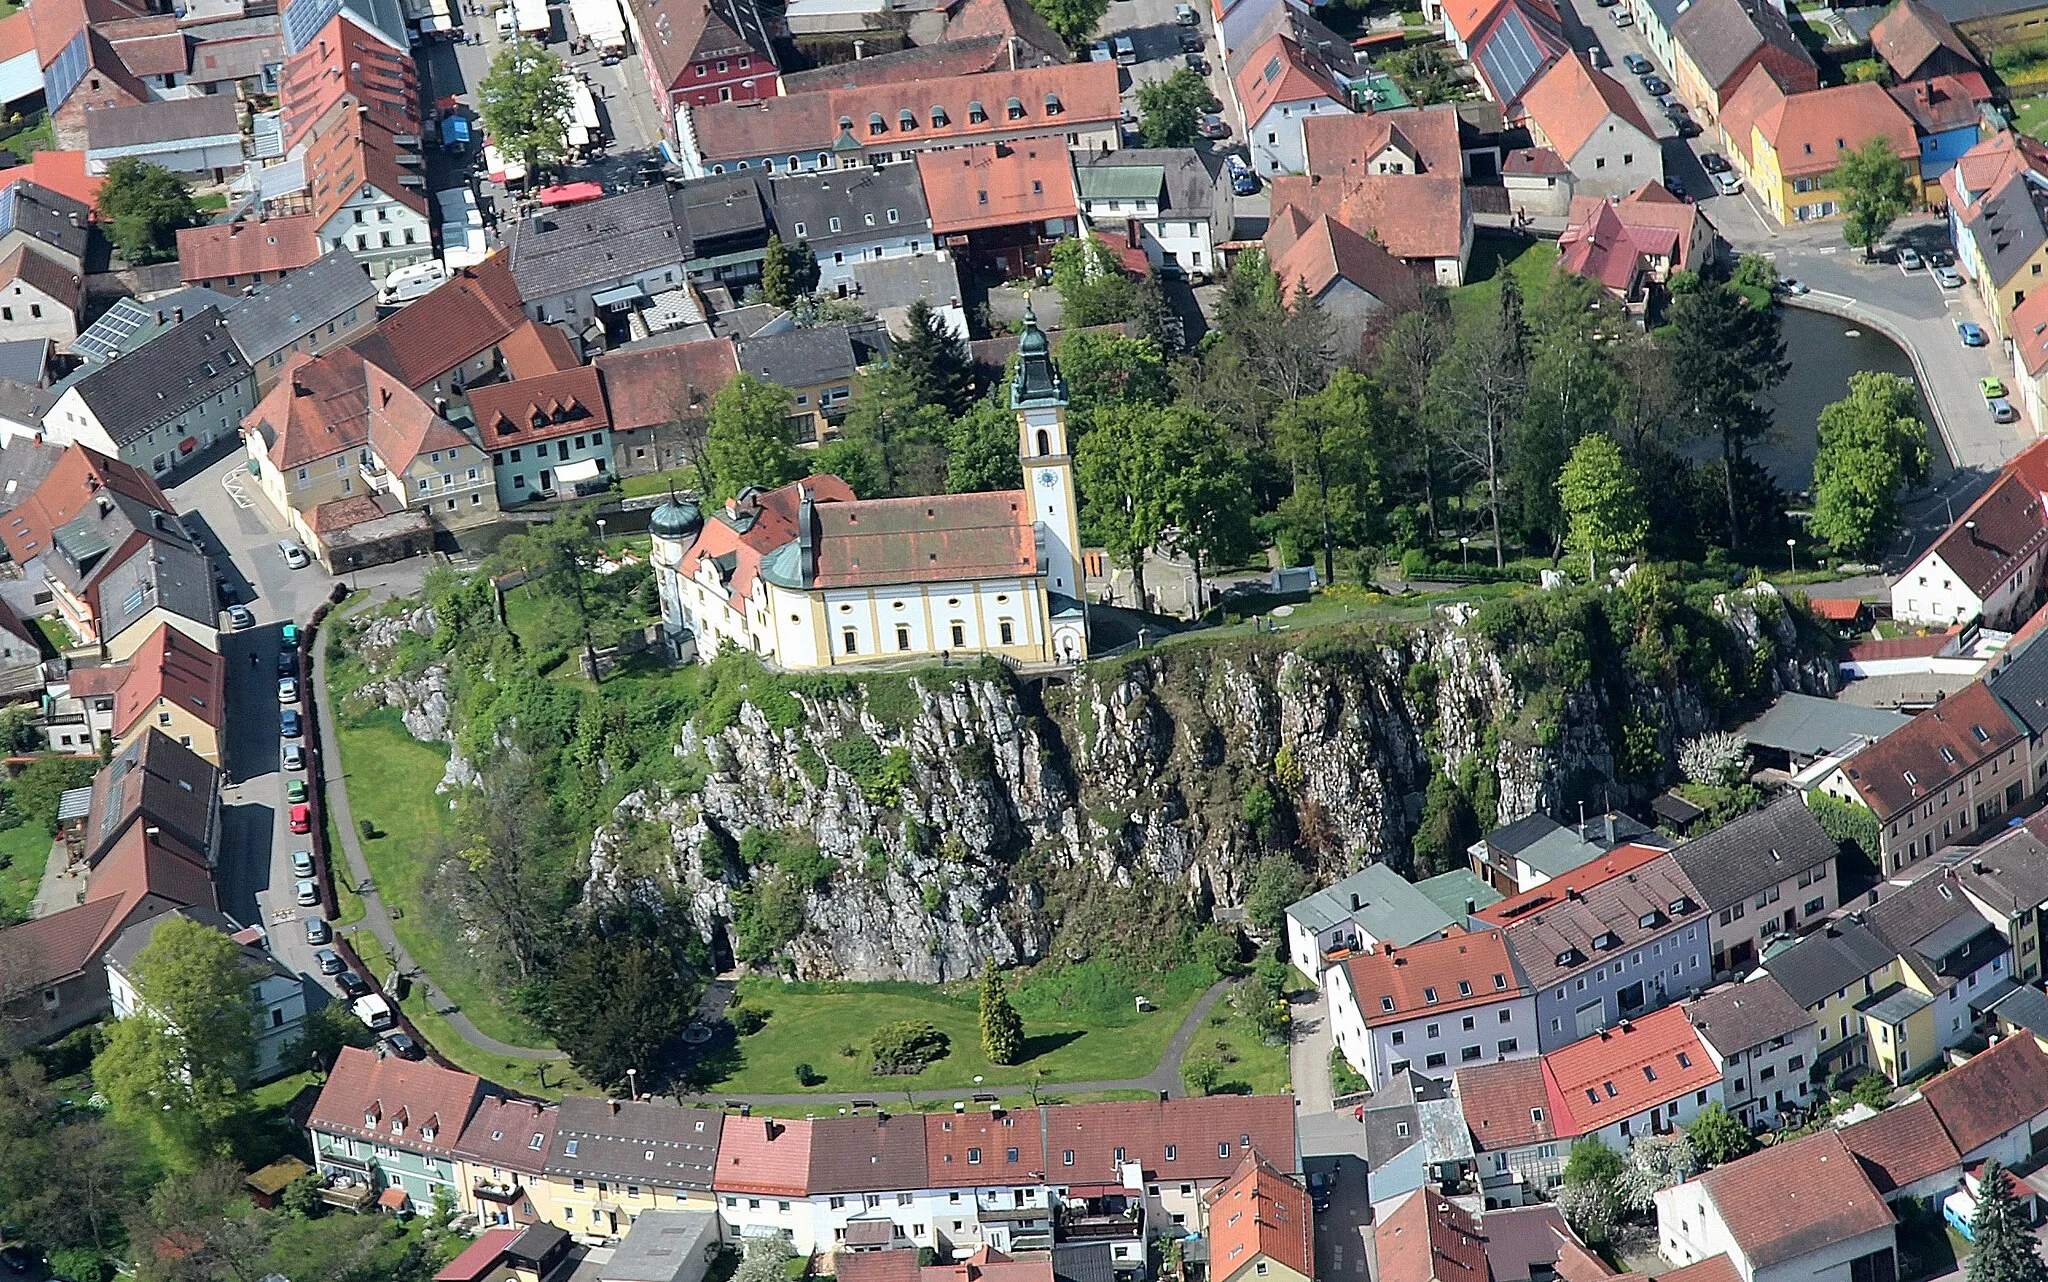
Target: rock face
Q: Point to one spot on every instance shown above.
(1175, 770)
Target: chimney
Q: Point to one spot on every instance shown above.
(1572, 893)
(1471, 906)
(1012, 45)
(1611, 840)
(1162, 1097)
(1971, 526)
(615, 1106)
(1356, 903)
(860, 50)
(959, 1107)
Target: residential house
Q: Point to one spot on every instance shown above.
(1371, 907)
(1415, 1136)
(325, 304)
(850, 217)
(2008, 230)
(1949, 957)
(173, 685)
(1919, 44)
(1830, 973)
(1996, 1103)
(984, 1265)
(967, 56)
(52, 223)
(891, 287)
(1593, 124)
(201, 136)
(1611, 940)
(501, 1156)
(1987, 564)
(347, 58)
(1279, 86)
(244, 58)
(1076, 104)
(986, 1175)
(366, 190)
(130, 324)
(695, 55)
(337, 429)
(659, 399)
(1507, 1109)
(1260, 1226)
(866, 1182)
(1635, 242)
(1515, 43)
(816, 366)
(78, 707)
(1774, 866)
(1905, 1152)
(21, 662)
(102, 544)
(601, 259)
(1430, 1238)
(158, 788)
(999, 208)
(2006, 880)
(762, 1180)
(1164, 200)
(1524, 854)
(471, 329)
(1424, 220)
(1805, 735)
(1246, 27)
(1945, 113)
(42, 297)
(1537, 181)
(97, 80)
(162, 406)
(1765, 1045)
(2029, 338)
(1438, 1005)
(247, 251)
(546, 436)
(1349, 275)
(612, 1159)
(1597, 245)
(1788, 143)
(1717, 44)
(1641, 1077)
(277, 996)
(1012, 20)
(1986, 167)
(1801, 1210)
(723, 224)
(391, 1125)
(532, 1253)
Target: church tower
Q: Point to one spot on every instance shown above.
(1039, 396)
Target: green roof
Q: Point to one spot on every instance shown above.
(1122, 182)
(1380, 93)
(1452, 891)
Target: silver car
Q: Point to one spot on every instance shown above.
(308, 894)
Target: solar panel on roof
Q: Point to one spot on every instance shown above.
(1272, 69)
(1512, 57)
(63, 74)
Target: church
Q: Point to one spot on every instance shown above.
(807, 576)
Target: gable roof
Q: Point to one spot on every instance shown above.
(511, 1134)
(338, 402)
(44, 950)
(867, 1153)
(409, 1104)
(71, 489)
(963, 1150)
(1415, 217)
(644, 1141)
(1993, 1093)
(1902, 1145)
(282, 312)
(469, 313)
(1506, 1104)
(1515, 46)
(1572, 100)
(1276, 72)
(158, 780)
(1193, 1139)
(1632, 1067)
(1598, 246)
(47, 217)
(1329, 252)
(172, 669)
(169, 120)
(1941, 104)
(1344, 142)
(1555, 938)
(185, 366)
(555, 405)
(594, 243)
(929, 539)
(1941, 744)
(970, 55)
(1259, 1212)
(247, 247)
(674, 34)
(1789, 1200)
(1383, 902)
(987, 186)
(1722, 36)
(345, 61)
(347, 151)
(1735, 1017)
(1755, 852)
(1460, 971)
(1810, 130)
(45, 275)
(764, 1155)
(653, 386)
(1429, 1238)
(1910, 33)
(1829, 960)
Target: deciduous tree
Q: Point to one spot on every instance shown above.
(524, 102)
(750, 441)
(1334, 440)
(1718, 1136)
(1072, 20)
(1875, 190)
(1476, 394)
(1405, 362)
(1093, 287)
(143, 206)
(981, 450)
(1873, 444)
(1602, 507)
(1170, 110)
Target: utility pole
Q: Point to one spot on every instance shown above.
(582, 613)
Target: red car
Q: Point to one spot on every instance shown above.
(302, 818)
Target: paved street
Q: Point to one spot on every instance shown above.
(1149, 24)
(1308, 1054)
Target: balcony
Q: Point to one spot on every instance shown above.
(1100, 1228)
(501, 1191)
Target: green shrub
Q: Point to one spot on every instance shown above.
(882, 776)
(907, 1046)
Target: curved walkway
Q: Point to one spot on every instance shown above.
(375, 918)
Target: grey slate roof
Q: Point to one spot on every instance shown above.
(130, 322)
(1722, 34)
(1809, 726)
(1554, 849)
(2009, 872)
(1828, 960)
(186, 366)
(278, 314)
(177, 577)
(870, 203)
(610, 1140)
(1957, 11)
(800, 357)
(172, 120)
(46, 216)
(1735, 1017)
(1190, 185)
(23, 465)
(2026, 1007)
(26, 360)
(2020, 680)
(664, 1246)
(563, 250)
(1894, 1004)
(1754, 852)
(1383, 903)
(721, 208)
(129, 943)
(2009, 225)
(900, 281)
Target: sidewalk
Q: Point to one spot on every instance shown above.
(62, 886)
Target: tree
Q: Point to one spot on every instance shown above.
(1201, 1074)
(322, 1035)
(1106, 368)
(1145, 470)
(1718, 1136)
(616, 1005)
(981, 450)
(1571, 393)
(1093, 287)
(524, 101)
(1603, 511)
(1873, 444)
(932, 359)
(778, 284)
(766, 1260)
(42, 784)
(1334, 440)
(199, 1227)
(1591, 1162)
(1724, 354)
(907, 1046)
(1476, 395)
(1655, 1162)
(803, 277)
(1446, 828)
(184, 1058)
(903, 432)
(143, 206)
(1002, 1032)
(853, 463)
(2005, 1247)
(1875, 191)
(1405, 362)
(750, 442)
(1276, 882)
(1072, 20)
(1170, 110)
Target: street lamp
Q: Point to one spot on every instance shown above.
(1792, 555)
(1465, 549)
(633, 1083)
(600, 532)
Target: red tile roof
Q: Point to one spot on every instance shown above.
(339, 402)
(69, 491)
(46, 275)
(1625, 858)
(1999, 1091)
(660, 385)
(674, 34)
(140, 864)
(346, 61)
(533, 349)
(930, 539)
(540, 409)
(1429, 1238)
(404, 1103)
(970, 188)
(1788, 1200)
(1938, 105)
(1946, 741)
(1902, 1145)
(45, 950)
(965, 1150)
(1572, 101)
(1417, 217)
(1908, 35)
(1810, 130)
(1900, 647)
(247, 247)
(1449, 974)
(1259, 1213)
(1329, 251)
(1347, 143)
(1277, 72)
(481, 1256)
(474, 311)
(1208, 1137)
(17, 35)
(1601, 249)
(171, 668)
(2029, 325)
(746, 531)
(348, 149)
(1506, 1104)
(510, 1134)
(764, 1155)
(1630, 1068)
(61, 171)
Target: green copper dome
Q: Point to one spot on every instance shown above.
(676, 519)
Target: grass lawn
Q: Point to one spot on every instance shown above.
(1080, 1025)
(1249, 1064)
(54, 634)
(2030, 116)
(1530, 261)
(211, 202)
(26, 849)
(683, 479)
(391, 777)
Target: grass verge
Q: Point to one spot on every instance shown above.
(24, 852)
(1529, 261)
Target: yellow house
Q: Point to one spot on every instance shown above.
(175, 685)
(498, 1162)
(1789, 145)
(612, 1159)
(1899, 1025)
(1832, 973)
(817, 366)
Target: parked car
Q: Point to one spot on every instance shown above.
(1991, 387)
(1242, 180)
(1623, 18)
(1213, 127)
(289, 635)
(403, 1046)
(295, 790)
(1637, 64)
(1727, 184)
(307, 894)
(1190, 40)
(239, 618)
(1319, 1185)
(302, 823)
(1184, 15)
(1100, 52)
(287, 663)
(295, 756)
(2003, 412)
(1971, 335)
(1711, 162)
(352, 985)
(294, 555)
(330, 962)
(1947, 277)
(302, 863)
(1909, 259)
(1791, 285)
(288, 690)
(1198, 64)
(1654, 85)
(318, 931)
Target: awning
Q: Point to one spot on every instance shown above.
(623, 296)
(570, 194)
(584, 469)
(1097, 1190)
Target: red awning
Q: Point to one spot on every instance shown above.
(1097, 1190)
(570, 194)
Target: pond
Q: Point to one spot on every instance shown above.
(1823, 356)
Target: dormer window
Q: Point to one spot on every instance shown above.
(1387, 1005)
(1679, 906)
(1500, 982)
(1606, 939)
(906, 120)
(1913, 778)
(1052, 104)
(976, 113)
(1649, 919)
(1429, 996)
(939, 120)
(1016, 109)
(1464, 988)
(1568, 957)
(876, 125)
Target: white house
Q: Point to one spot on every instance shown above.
(277, 996)
(1435, 1007)
(1988, 563)
(1162, 200)
(1371, 907)
(1798, 1212)
(1279, 86)
(1765, 1044)
(162, 405)
(984, 1176)
(1640, 1077)
(1590, 120)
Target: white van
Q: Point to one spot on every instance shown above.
(408, 283)
(507, 22)
(374, 1011)
(1126, 52)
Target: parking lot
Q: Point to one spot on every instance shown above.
(1155, 38)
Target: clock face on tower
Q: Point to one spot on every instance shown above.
(1048, 478)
